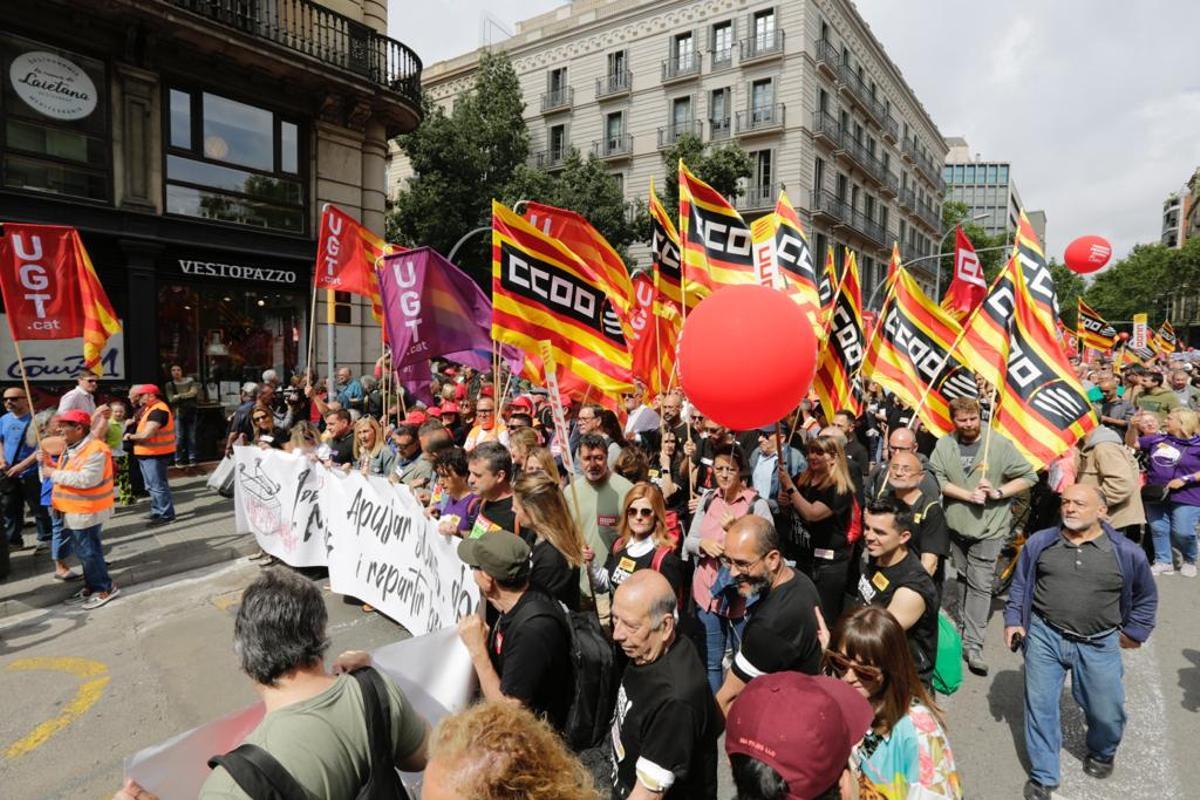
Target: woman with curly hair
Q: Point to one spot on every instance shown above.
(906, 752)
(500, 751)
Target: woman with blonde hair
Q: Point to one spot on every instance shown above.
(823, 496)
(539, 506)
(304, 438)
(643, 542)
(520, 442)
(540, 459)
(371, 453)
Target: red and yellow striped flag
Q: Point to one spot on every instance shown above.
(836, 381)
(665, 253)
(347, 252)
(715, 239)
(1092, 330)
(654, 332)
(578, 235)
(99, 319)
(785, 259)
(826, 289)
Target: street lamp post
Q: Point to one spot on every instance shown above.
(937, 281)
(939, 256)
(479, 230)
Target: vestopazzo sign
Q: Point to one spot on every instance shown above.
(53, 85)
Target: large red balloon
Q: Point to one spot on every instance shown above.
(747, 355)
(1087, 254)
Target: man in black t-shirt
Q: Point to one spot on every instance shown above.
(490, 470)
(341, 437)
(930, 540)
(665, 725)
(781, 631)
(894, 578)
(526, 655)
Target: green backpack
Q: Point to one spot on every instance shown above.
(948, 670)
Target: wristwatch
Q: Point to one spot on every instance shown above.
(997, 494)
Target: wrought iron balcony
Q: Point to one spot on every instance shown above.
(762, 45)
(859, 92)
(670, 135)
(553, 158)
(681, 66)
(827, 205)
(826, 57)
(315, 31)
(614, 146)
(760, 118)
(860, 155)
(558, 99)
(616, 83)
(719, 128)
(720, 57)
(825, 128)
(891, 184)
(757, 198)
(908, 198)
(891, 128)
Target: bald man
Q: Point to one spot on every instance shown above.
(666, 724)
(781, 632)
(900, 440)
(1081, 592)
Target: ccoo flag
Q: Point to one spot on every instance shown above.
(785, 259)
(968, 286)
(836, 381)
(1041, 405)
(1164, 340)
(347, 253)
(826, 289)
(654, 333)
(543, 291)
(51, 291)
(578, 235)
(1092, 331)
(664, 251)
(910, 356)
(716, 241)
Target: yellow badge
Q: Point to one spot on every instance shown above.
(627, 564)
(880, 580)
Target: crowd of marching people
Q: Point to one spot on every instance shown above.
(801, 588)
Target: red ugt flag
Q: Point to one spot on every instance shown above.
(968, 288)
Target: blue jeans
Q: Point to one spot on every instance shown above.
(1096, 672)
(154, 473)
(185, 439)
(91, 556)
(60, 541)
(716, 630)
(1173, 522)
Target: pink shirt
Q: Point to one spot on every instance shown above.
(707, 567)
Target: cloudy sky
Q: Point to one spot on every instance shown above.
(1095, 102)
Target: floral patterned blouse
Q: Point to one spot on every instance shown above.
(913, 762)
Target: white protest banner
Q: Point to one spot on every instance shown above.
(275, 498)
(433, 671)
(372, 534)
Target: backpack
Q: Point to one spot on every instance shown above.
(594, 681)
(263, 778)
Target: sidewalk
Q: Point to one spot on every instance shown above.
(202, 534)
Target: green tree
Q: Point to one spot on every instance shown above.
(1147, 280)
(460, 161)
(721, 167)
(1068, 287)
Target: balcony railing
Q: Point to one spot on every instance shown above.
(614, 146)
(868, 227)
(558, 99)
(824, 203)
(761, 118)
(614, 84)
(762, 45)
(862, 156)
(670, 135)
(909, 150)
(553, 158)
(891, 184)
(891, 128)
(720, 57)
(860, 92)
(826, 56)
(757, 198)
(719, 128)
(681, 66)
(310, 28)
(825, 127)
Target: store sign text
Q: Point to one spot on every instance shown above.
(214, 269)
(57, 360)
(53, 85)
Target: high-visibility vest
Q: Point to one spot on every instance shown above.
(162, 442)
(81, 500)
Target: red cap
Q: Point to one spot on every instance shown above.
(460, 392)
(433, 411)
(451, 372)
(415, 418)
(449, 407)
(487, 391)
(802, 726)
(145, 388)
(77, 416)
(521, 402)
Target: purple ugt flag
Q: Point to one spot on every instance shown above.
(431, 308)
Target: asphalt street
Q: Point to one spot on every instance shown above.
(82, 691)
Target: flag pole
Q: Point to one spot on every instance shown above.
(987, 443)
(312, 334)
(37, 433)
(329, 344)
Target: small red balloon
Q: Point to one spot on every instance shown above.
(747, 355)
(1087, 254)
(1122, 336)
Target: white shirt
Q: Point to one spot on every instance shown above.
(77, 399)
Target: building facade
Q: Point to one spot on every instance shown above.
(986, 187)
(804, 88)
(1177, 212)
(193, 144)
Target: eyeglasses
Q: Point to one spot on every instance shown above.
(485, 412)
(640, 513)
(14, 398)
(839, 664)
(740, 566)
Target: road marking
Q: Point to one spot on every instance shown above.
(85, 697)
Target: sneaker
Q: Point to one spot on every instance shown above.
(1159, 568)
(1035, 791)
(100, 598)
(1097, 767)
(41, 547)
(975, 662)
(1188, 570)
(81, 596)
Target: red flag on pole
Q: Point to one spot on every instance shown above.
(346, 256)
(968, 287)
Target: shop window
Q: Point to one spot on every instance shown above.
(233, 162)
(54, 137)
(341, 308)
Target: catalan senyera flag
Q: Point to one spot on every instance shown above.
(837, 381)
(347, 253)
(1040, 404)
(667, 258)
(716, 241)
(827, 289)
(1164, 339)
(578, 235)
(910, 354)
(543, 291)
(51, 291)
(785, 257)
(1091, 329)
(654, 333)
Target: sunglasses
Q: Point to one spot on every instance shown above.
(640, 513)
(13, 399)
(839, 664)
